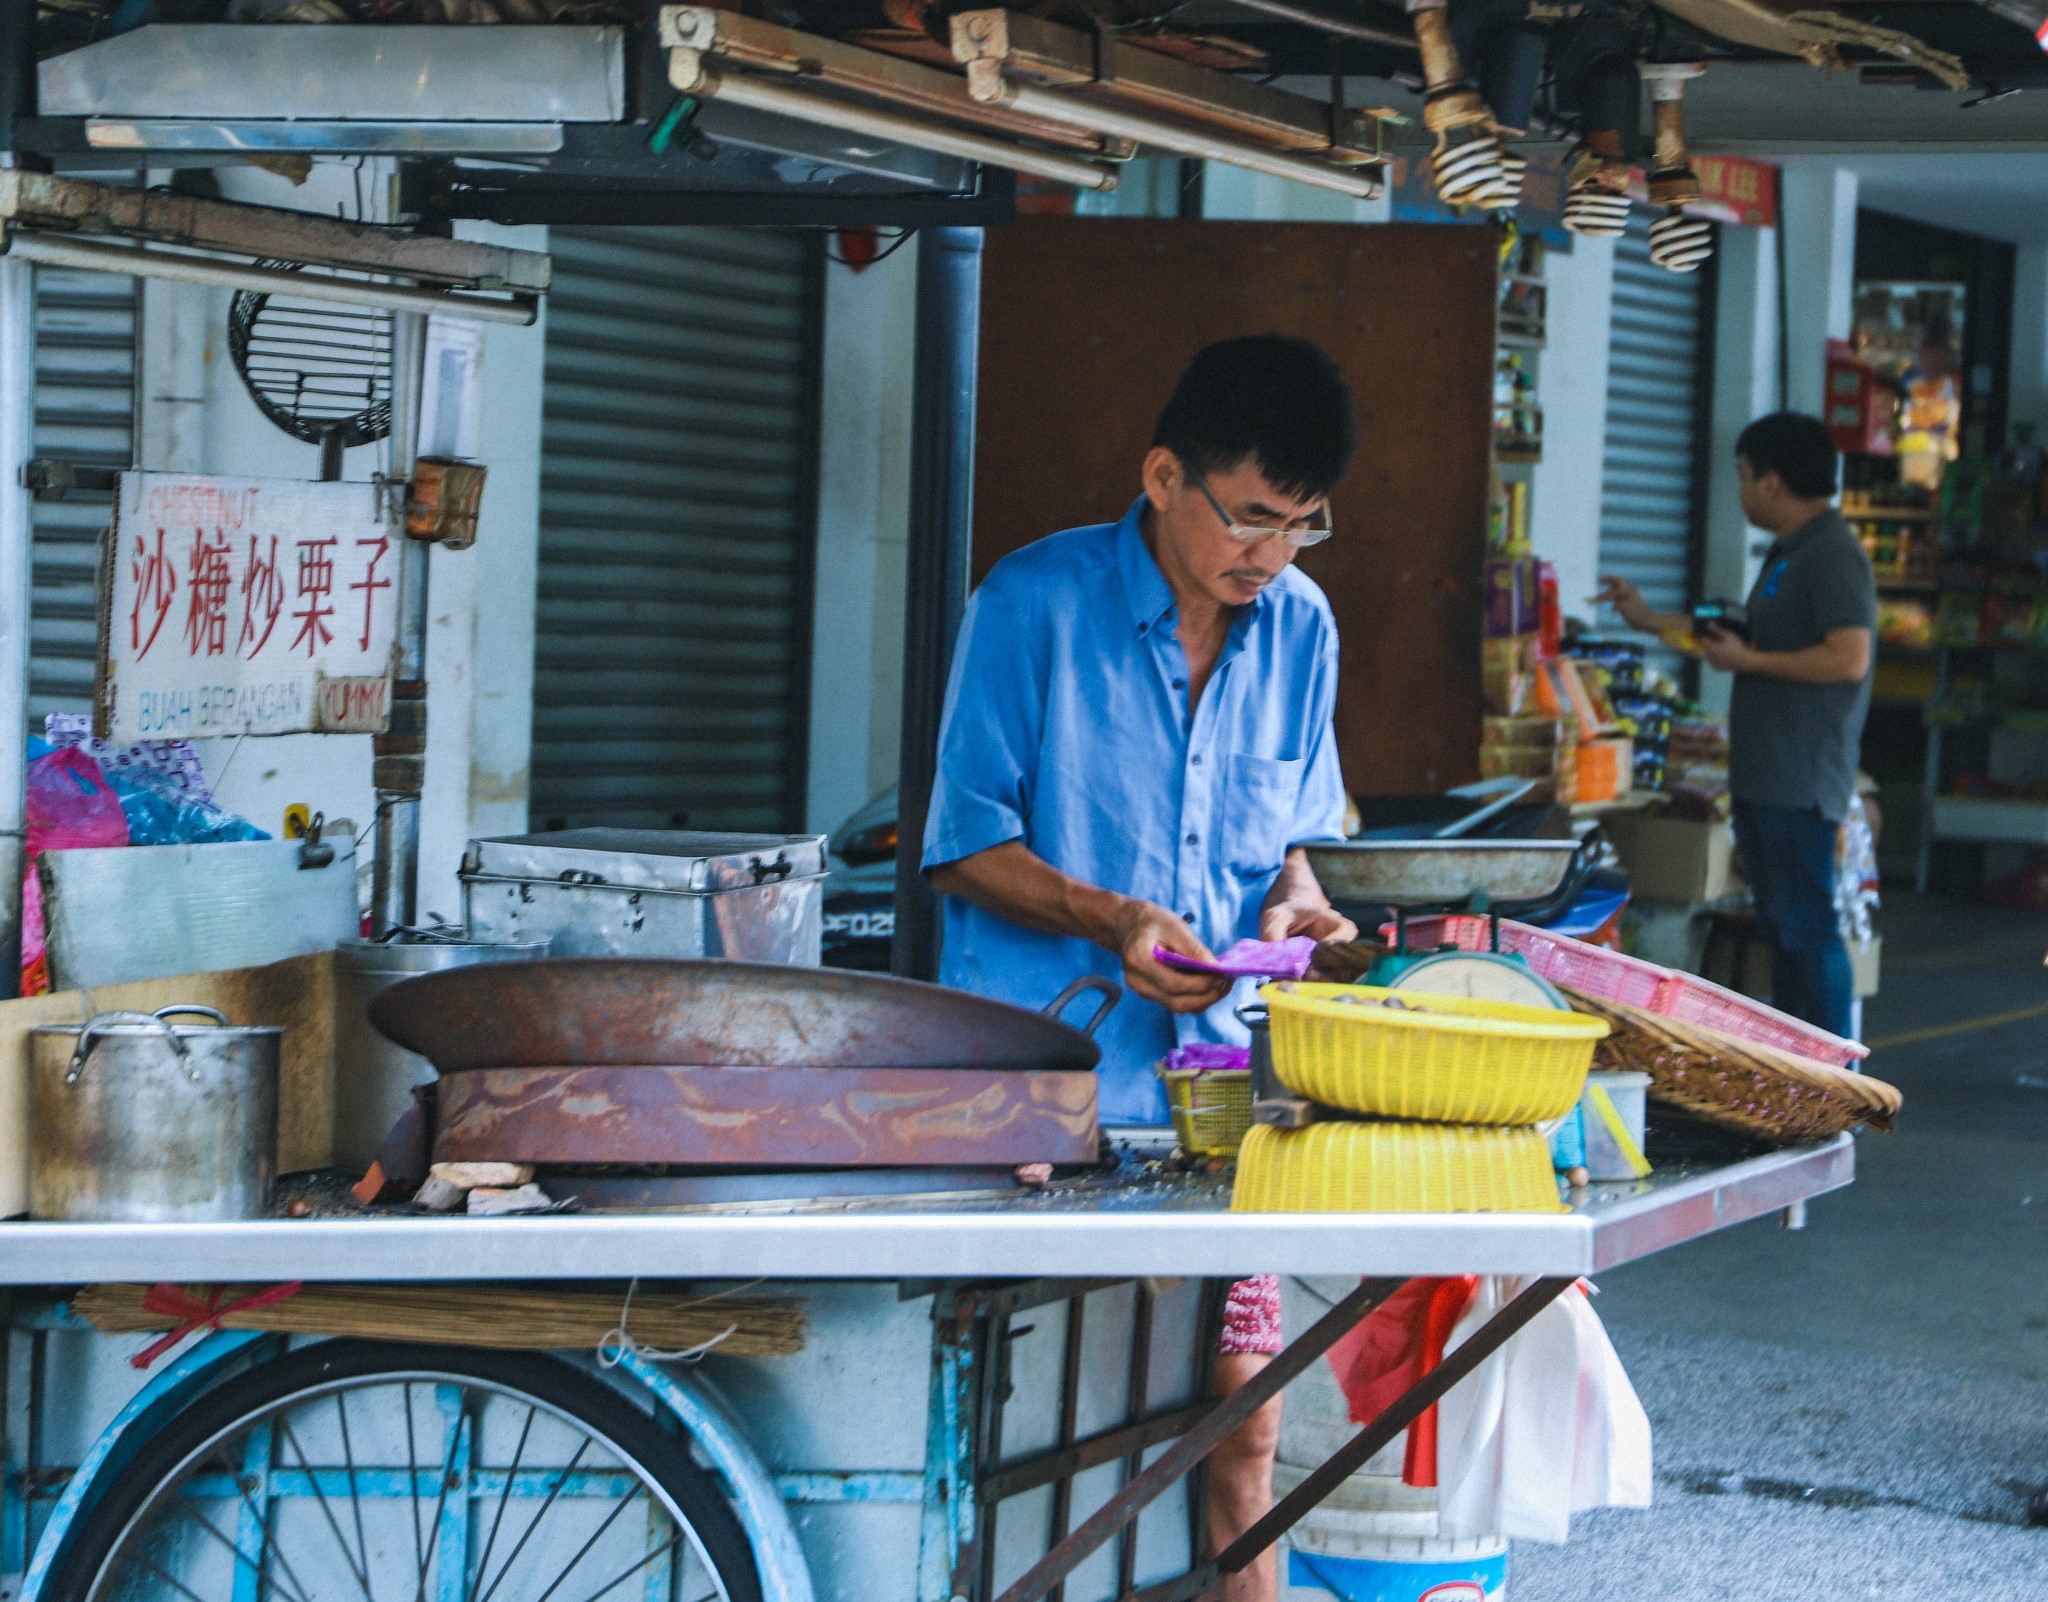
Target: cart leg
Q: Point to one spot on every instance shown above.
(1175, 1462)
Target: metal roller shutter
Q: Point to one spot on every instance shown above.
(676, 529)
(1651, 472)
(85, 414)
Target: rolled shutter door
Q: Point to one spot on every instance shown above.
(676, 530)
(1651, 471)
(85, 414)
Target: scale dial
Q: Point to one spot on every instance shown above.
(1482, 976)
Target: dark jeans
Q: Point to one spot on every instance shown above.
(1789, 854)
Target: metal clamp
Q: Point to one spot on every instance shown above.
(779, 869)
(1110, 992)
(100, 1023)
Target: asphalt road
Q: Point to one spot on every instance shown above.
(1860, 1409)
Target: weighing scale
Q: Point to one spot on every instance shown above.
(1447, 876)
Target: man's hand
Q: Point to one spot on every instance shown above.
(1141, 925)
(1626, 599)
(1286, 919)
(1728, 652)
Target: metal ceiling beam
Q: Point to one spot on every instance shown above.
(1030, 50)
(71, 206)
(87, 255)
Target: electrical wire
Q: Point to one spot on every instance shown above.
(903, 237)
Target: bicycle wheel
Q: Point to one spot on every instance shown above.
(355, 1471)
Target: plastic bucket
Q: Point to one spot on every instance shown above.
(1374, 1539)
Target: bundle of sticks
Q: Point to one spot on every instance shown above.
(536, 1318)
(1738, 1084)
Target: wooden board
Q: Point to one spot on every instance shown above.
(1087, 323)
(767, 1117)
(298, 995)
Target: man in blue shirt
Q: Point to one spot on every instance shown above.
(1137, 728)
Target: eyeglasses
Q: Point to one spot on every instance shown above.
(1245, 534)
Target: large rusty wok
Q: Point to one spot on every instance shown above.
(603, 1012)
(588, 1062)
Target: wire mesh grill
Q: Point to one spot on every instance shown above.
(314, 368)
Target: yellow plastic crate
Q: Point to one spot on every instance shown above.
(1378, 1167)
(1211, 1107)
(1448, 1059)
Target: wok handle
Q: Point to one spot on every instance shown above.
(1109, 990)
(100, 1022)
(214, 1013)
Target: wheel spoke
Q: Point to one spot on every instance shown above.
(172, 1580)
(412, 1464)
(526, 1535)
(355, 1501)
(295, 1594)
(595, 1536)
(674, 1541)
(362, 1576)
(504, 1495)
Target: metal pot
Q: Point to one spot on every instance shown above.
(373, 1076)
(134, 1119)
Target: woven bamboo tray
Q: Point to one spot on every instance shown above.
(1737, 1084)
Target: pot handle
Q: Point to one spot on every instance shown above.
(1110, 992)
(107, 1020)
(214, 1013)
(1253, 1015)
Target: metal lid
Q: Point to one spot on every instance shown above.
(649, 859)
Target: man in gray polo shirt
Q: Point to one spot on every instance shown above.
(1802, 687)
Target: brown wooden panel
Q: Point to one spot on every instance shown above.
(1087, 322)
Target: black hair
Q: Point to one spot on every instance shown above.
(1276, 400)
(1798, 448)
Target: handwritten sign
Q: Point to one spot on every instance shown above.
(246, 606)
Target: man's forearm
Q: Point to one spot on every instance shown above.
(1013, 882)
(1836, 660)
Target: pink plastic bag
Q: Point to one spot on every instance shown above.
(70, 804)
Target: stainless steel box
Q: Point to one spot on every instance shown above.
(651, 893)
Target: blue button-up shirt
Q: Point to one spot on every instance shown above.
(1067, 727)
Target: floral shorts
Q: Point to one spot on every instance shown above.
(1251, 1317)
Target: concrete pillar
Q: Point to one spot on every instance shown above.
(863, 513)
(1571, 386)
(1745, 387)
(2029, 388)
(1817, 210)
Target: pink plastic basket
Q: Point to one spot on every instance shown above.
(1613, 977)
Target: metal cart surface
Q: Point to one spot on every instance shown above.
(1061, 1399)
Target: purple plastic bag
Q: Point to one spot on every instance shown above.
(1206, 1056)
(1250, 959)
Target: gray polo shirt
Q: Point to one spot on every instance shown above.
(1795, 745)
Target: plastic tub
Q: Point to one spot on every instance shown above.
(1383, 1167)
(1605, 1160)
(1447, 1058)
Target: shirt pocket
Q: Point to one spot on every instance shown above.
(1258, 806)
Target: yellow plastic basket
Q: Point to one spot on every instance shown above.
(1449, 1059)
(1211, 1107)
(1376, 1167)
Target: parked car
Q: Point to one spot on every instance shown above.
(860, 892)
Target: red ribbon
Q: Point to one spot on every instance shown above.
(175, 1301)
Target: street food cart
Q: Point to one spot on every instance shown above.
(989, 1386)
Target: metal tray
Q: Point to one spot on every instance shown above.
(1420, 873)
